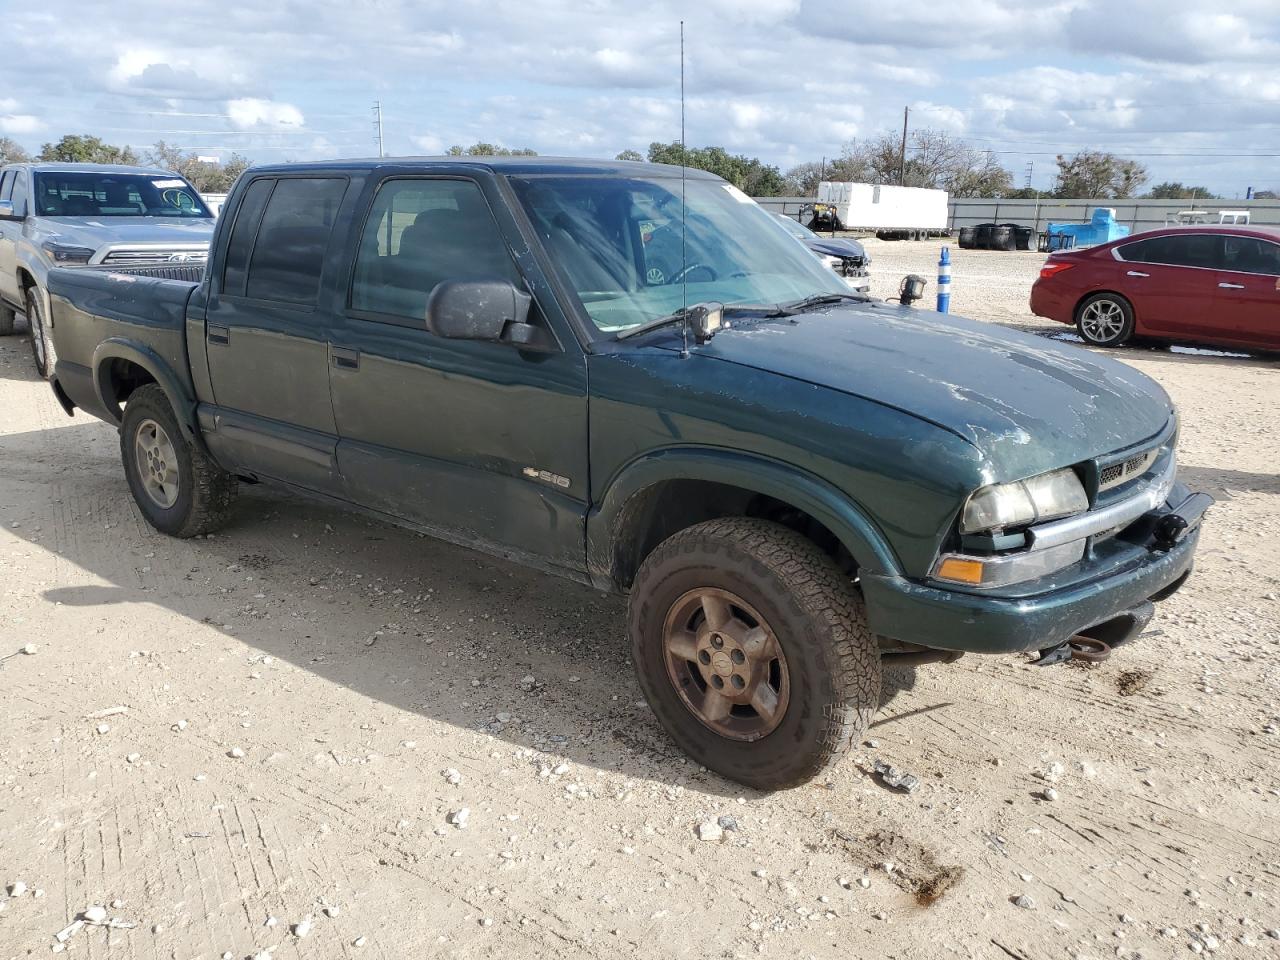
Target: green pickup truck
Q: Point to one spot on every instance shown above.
(636, 379)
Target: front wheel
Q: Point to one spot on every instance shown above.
(41, 342)
(1105, 320)
(179, 490)
(753, 651)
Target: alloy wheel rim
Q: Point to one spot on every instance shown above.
(726, 664)
(157, 462)
(1102, 320)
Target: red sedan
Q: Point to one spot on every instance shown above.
(1212, 284)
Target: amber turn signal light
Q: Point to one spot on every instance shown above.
(961, 571)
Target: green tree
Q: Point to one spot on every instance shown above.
(205, 176)
(748, 174)
(489, 150)
(1092, 173)
(82, 148)
(12, 152)
(1173, 190)
(629, 155)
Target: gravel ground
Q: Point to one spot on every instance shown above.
(220, 739)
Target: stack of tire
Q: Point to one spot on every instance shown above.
(997, 236)
(967, 238)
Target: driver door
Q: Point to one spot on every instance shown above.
(475, 440)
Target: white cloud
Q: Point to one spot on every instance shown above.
(246, 112)
(19, 123)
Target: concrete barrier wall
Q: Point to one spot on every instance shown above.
(1139, 215)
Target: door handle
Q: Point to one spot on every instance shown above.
(1137, 273)
(218, 333)
(1231, 286)
(345, 357)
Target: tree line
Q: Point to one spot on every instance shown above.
(934, 159)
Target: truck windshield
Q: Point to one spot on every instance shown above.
(92, 194)
(617, 243)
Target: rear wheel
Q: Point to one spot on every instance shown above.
(179, 490)
(41, 342)
(753, 651)
(1105, 319)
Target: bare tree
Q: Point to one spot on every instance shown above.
(205, 175)
(1092, 173)
(12, 152)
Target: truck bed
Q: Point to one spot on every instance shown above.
(106, 319)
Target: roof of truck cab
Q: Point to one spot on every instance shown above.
(511, 166)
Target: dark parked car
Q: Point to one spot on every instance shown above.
(793, 483)
(844, 255)
(1212, 284)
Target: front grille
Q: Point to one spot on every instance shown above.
(126, 257)
(190, 272)
(1115, 474)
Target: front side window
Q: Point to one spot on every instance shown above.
(288, 254)
(6, 185)
(633, 252)
(1251, 255)
(85, 194)
(420, 233)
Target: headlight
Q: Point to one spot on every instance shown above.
(832, 263)
(66, 254)
(1046, 497)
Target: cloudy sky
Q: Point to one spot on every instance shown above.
(1189, 88)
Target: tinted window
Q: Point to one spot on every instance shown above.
(421, 232)
(1179, 250)
(20, 193)
(1250, 255)
(248, 215)
(288, 255)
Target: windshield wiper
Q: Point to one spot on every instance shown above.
(816, 300)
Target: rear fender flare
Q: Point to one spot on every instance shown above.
(118, 348)
(835, 510)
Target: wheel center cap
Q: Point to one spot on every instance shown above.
(721, 663)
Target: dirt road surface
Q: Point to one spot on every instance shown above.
(219, 738)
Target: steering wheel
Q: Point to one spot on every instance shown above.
(682, 273)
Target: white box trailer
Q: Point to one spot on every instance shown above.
(894, 213)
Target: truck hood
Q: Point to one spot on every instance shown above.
(1027, 403)
(94, 232)
(840, 247)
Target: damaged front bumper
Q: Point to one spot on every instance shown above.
(1148, 561)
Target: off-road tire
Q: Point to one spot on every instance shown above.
(42, 351)
(817, 615)
(205, 491)
(1117, 334)
(8, 317)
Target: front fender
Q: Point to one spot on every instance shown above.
(789, 484)
(180, 399)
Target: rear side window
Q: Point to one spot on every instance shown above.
(1177, 250)
(288, 254)
(245, 228)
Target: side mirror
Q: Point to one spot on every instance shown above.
(476, 309)
(6, 211)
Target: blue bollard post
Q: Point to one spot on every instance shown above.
(944, 281)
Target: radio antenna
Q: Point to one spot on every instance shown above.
(684, 253)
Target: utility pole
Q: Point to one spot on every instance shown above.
(1030, 166)
(377, 124)
(902, 163)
